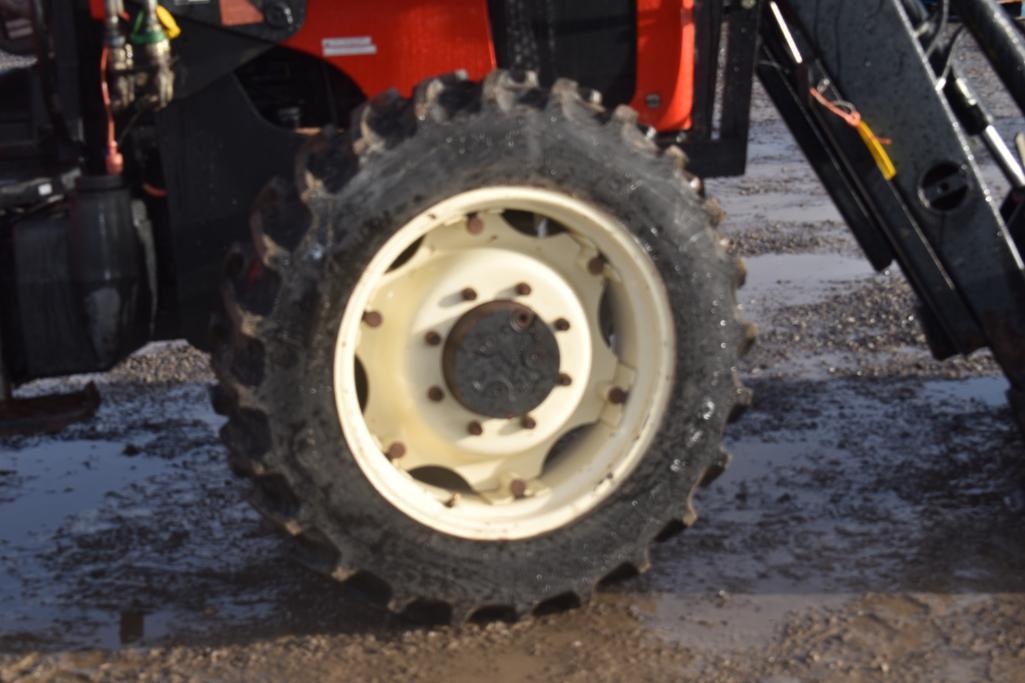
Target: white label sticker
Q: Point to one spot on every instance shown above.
(340, 47)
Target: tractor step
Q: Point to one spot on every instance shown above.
(47, 414)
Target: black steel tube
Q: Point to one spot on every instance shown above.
(1001, 40)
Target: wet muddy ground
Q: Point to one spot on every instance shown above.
(871, 526)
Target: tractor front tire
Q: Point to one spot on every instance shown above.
(482, 350)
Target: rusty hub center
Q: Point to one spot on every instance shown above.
(500, 360)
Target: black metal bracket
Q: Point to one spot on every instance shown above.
(937, 216)
(719, 148)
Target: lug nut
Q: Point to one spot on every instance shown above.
(596, 266)
(395, 451)
(527, 422)
(617, 395)
(474, 428)
(561, 324)
(475, 225)
(564, 379)
(373, 318)
(435, 394)
(518, 488)
(523, 289)
(522, 320)
(468, 294)
(432, 338)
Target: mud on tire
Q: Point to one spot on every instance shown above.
(312, 238)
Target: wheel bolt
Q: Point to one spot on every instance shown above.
(561, 324)
(475, 225)
(395, 451)
(564, 379)
(435, 394)
(518, 488)
(474, 428)
(523, 289)
(596, 266)
(468, 294)
(527, 422)
(617, 395)
(373, 318)
(522, 320)
(432, 338)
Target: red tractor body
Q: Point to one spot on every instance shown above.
(413, 40)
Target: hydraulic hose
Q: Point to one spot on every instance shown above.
(1000, 39)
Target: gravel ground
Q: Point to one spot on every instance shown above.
(869, 528)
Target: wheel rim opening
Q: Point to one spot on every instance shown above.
(533, 224)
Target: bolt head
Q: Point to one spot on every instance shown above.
(435, 394)
(373, 318)
(617, 395)
(561, 325)
(527, 422)
(432, 338)
(468, 294)
(522, 320)
(523, 289)
(395, 451)
(475, 225)
(474, 428)
(518, 488)
(596, 266)
(564, 379)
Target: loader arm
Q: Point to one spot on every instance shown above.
(908, 183)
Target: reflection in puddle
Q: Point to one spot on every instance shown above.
(794, 279)
(840, 489)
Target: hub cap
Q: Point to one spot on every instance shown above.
(503, 362)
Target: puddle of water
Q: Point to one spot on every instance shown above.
(720, 624)
(784, 206)
(103, 549)
(990, 392)
(824, 503)
(64, 491)
(65, 483)
(794, 279)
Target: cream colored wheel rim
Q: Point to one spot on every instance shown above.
(489, 478)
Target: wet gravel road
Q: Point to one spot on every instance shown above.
(871, 526)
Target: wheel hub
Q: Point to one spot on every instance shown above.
(501, 360)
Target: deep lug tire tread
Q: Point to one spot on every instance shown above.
(253, 332)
